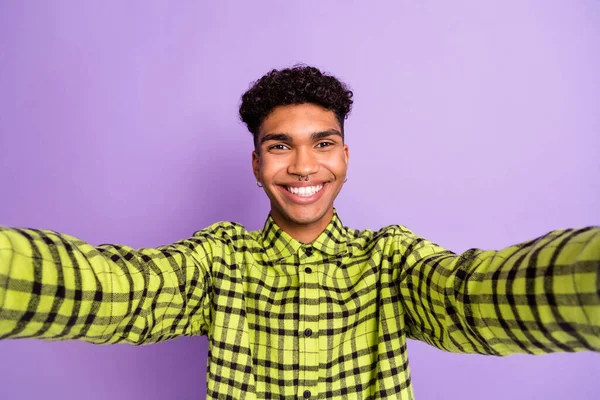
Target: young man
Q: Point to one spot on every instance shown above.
(305, 308)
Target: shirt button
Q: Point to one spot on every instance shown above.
(308, 251)
(308, 270)
(307, 394)
(308, 332)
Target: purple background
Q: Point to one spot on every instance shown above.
(474, 125)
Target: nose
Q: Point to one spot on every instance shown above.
(304, 163)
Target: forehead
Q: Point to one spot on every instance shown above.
(299, 119)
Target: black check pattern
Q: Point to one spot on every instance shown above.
(288, 320)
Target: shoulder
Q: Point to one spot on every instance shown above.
(386, 232)
(365, 238)
(225, 232)
(393, 240)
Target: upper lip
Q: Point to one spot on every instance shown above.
(303, 184)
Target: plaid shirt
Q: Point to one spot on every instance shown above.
(288, 320)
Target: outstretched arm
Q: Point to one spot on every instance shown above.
(54, 286)
(535, 297)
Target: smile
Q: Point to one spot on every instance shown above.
(304, 191)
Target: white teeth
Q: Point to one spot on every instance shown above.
(305, 191)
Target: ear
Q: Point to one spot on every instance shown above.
(346, 154)
(255, 164)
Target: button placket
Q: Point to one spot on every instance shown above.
(309, 322)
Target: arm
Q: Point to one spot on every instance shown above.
(55, 287)
(535, 297)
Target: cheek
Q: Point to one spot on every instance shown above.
(269, 168)
(337, 165)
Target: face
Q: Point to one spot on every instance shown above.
(301, 140)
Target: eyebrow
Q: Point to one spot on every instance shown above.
(284, 137)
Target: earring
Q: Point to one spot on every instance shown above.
(346, 180)
(258, 183)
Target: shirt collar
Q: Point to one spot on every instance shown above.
(278, 244)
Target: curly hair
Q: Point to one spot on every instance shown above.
(296, 85)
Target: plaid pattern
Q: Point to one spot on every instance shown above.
(289, 320)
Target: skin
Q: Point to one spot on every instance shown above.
(301, 140)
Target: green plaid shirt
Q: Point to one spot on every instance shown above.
(289, 320)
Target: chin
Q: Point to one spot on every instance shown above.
(302, 215)
(306, 217)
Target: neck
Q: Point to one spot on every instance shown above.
(304, 233)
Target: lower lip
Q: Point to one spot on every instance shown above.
(304, 199)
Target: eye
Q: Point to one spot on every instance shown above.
(324, 144)
(279, 147)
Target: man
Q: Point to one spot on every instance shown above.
(305, 308)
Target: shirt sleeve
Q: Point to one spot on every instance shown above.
(55, 287)
(536, 297)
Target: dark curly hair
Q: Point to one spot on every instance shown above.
(296, 85)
